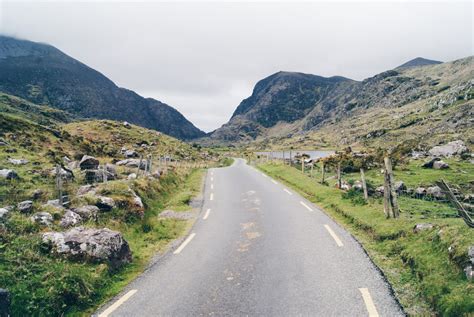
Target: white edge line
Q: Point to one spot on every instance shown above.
(264, 175)
(119, 302)
(212, 186)
(274, 181)
(212, 179)
(184, 244)
(206, 214)
(287, 191)
(211, 197)
(369, 304)
(334, 236)
(306, 206)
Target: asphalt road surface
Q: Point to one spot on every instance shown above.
(259, 249)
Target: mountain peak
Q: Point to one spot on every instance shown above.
(419, 61)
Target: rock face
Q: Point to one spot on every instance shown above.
(8, 174)
(70, 219)
(25, 207)
(95, 245)
(452, 148)
(42, 218)
(88, 163)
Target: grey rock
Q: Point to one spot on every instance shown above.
(8, 174)
(105, 203)
(70, 219)
(4, 211)
(17, 161)
(85, 189)
(54, 203)
(88, 163)
(420, 191)
(430, 163)
(98, 176)
(130, 154)
(422, 226)
(37, 194)
(452, 148)
(94, 245)
(470, 253)
(25, 207)
(440, 165)
(127, 125)
(65, 174)
(469, 272)
(435, 191)
(132, 176)
(399, 186)
(132, 163)
(42, 218)
(87, 212)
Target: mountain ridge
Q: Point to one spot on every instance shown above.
(42, 74)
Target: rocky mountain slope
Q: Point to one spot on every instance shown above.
(415, 101)
(44, 75)
(419, 61)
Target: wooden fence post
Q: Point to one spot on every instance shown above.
(389, 190)
(364, 183)
(323, 172)
(339, 180)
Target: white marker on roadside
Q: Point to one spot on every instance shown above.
(306, 206)
(211, 197)
(206, 214)
(287, 191)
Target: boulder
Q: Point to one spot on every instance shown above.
(132, 176)
(399, 186)
(98, 176)
(422, 226)
(440, 165)
(130, 154)
(105, 203)
(435, 192)
(87, 244)
(380, 190)
(8, 174)
(452, 148)
(357, 185)
(111, 170)
(42, 218)
(127, 125)
(88, 163)
(54, 203)
(85, 189)
(17, 161)
(25, 207)
(70, 219)
(4, 211)
(37, 194)
(420, 191)
(88, 212)
(132, 163)
(429, 164)
(66, 174)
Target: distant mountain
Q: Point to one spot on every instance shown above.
(44, 75)
(281, 97)
(288, 106)
(419, 61)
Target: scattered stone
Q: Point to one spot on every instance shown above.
(380, 190)
(66, 174)
(42, 218)
(111, 170)
(435, 191)
(420, 191)
(88, 163)
(66, 160)
(70, 219)
(130, 154)
(94, 245)
(430, 163)
(137, 201)
(418, 155)
(5, 211)
(8, 174)
(452, 148)
(37, 194)
(132, 163)
(440, 165)
(17, 161)
(182, 215)
(54, 203)
(358, 185)
(86, 189)
(25, 207)
(422, 226)
(105, 203)
(98, 176)
(345, 186)
(399, 186)
(127, 125)
(132, 176)
(87, 212)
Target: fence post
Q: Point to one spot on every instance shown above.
(323, 172)
(364, 183)
(389, 190)
(312, 167)
(59, 184)
(139, 165)
(339, 180)
(302, 164)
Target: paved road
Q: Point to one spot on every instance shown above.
(261, 250)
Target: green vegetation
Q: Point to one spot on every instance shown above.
(425, 268)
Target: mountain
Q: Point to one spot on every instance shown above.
(44, 75)
(427, 102)
(281, 97)
(419, 61)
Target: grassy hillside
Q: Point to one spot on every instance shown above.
(425, 268)
(45, 284)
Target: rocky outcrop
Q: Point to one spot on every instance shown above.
(94, 245)
(87, 212)
(105, 203)
(450, 149)
(25, 207)
(42, 218)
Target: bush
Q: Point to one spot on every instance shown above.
(355, 196)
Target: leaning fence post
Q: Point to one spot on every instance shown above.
(323, 172)
(364, 183)
(59, 184)
(390, 188)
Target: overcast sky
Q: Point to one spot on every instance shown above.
(203, 58)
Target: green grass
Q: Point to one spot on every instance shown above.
(426, 278)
